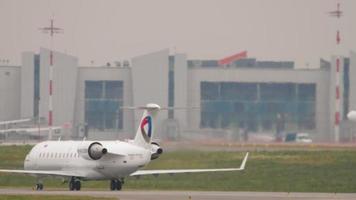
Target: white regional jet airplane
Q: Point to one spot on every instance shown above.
(77, 161)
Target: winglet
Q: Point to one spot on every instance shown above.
(242, 166)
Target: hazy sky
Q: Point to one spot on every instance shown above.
(108, 30)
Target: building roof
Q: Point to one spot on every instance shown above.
(243, 63)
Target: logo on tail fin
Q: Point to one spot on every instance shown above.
(146, 128)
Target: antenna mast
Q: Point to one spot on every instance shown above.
(51, 30)
(337, 14)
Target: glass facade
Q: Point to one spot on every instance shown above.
(103, 100)
(257, 106)
(346, 84)
(36, 87)
(171, 87)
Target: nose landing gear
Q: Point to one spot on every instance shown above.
(116, 184)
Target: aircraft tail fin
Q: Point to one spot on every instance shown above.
(146, 127)
(145, 130)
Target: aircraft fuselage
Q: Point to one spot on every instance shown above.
(64, 156)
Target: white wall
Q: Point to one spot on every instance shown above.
(27, 84)
(181, 88)
(10, 92)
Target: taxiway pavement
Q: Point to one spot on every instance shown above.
(182, 195)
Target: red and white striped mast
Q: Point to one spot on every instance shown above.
(338, 14)
(51, 30)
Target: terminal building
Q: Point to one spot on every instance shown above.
(259, 97)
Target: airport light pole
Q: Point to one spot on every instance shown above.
(337, 14)
(51, 30)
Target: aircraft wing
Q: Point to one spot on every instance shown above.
(45, 172)
(177, 171)
(30, 130)
(14, 121)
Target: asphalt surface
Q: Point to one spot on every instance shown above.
(182, 195)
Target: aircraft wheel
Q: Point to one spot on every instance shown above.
(118, 185)
(77, 185)
(71, 185)
(113, 185)
(39, 186)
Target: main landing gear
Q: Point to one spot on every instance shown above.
(74, 184)
(39, 186)
(116, 184)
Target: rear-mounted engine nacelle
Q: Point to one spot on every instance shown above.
(91, 150)
(156, 150)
